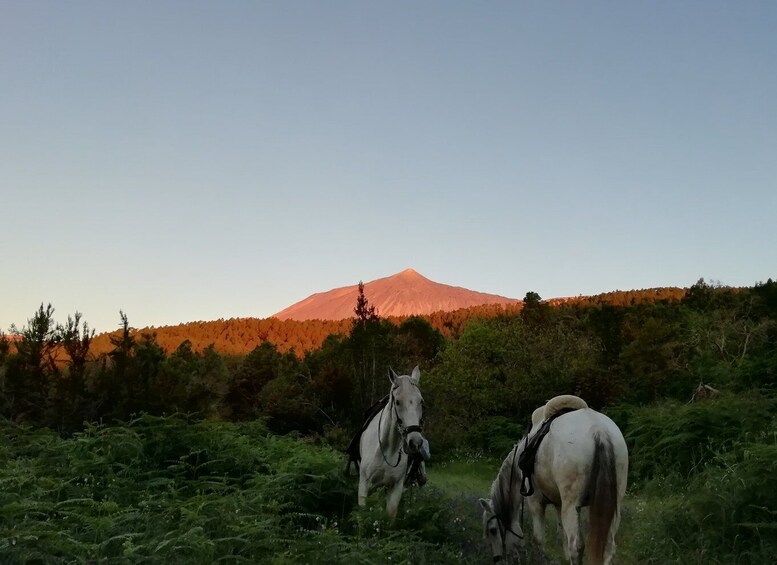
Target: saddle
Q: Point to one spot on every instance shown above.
(528, 456)
(354, 455)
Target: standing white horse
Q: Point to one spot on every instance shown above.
(390, 438)
(581, 462)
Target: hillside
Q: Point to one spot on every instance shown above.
(404, 294)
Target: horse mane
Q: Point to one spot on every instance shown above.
(505, 488)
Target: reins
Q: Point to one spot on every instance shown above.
(527, 486)
(380, 443)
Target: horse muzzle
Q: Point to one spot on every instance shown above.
(416, 444)
(424, 451)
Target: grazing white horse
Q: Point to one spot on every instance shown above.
(390, 438)
(582, 462)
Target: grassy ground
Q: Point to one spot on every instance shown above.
(470, 477)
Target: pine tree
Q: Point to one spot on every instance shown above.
(365, 313)
(29, 380)
(364, 334)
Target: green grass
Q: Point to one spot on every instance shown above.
(458, 476)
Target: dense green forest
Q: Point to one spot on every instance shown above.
(702, 458)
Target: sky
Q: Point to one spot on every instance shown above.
(184, 161)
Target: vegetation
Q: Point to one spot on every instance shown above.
(170, 490)
(222, 484)
(706, 480)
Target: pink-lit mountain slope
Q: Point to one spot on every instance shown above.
(404, 294)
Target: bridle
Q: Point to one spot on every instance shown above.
(404, 431)
(503, 527)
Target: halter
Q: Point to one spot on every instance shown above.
(403, 430)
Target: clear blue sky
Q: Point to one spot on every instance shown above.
(197, 160)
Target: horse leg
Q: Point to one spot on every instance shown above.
(393, 498)
(560, 534)
(537, 509)
(364, 488)
(570, 521)
(560, 537)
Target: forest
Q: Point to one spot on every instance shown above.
(229, 434)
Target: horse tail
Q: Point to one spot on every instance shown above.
(602, 494)
(353, 451)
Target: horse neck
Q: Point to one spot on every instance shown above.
(506, 489)
(390, 437)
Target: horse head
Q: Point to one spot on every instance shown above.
(503, 541)
(408, 406)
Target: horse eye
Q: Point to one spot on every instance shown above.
(493, 531)
(398, 402)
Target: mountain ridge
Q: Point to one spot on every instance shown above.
(407, 293)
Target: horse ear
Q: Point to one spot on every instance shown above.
(486, 505)
(393, 376)
(415, 376)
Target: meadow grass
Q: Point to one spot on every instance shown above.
(464, 477)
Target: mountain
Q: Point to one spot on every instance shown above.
(405, 294)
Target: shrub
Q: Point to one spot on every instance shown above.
(172, 490)
(725, 514)
(681, 438)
